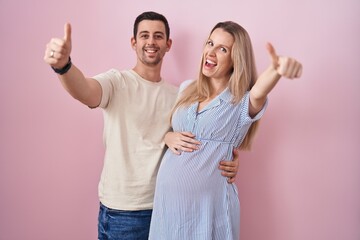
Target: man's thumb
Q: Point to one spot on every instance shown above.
(67, 32)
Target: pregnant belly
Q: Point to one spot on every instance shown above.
(189, 173)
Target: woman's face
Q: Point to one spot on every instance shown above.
(217, 55)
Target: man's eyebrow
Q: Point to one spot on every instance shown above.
(143, 32)
(158, 32)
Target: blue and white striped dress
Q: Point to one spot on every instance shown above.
(193, 201)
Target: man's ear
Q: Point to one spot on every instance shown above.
(169, 43)
(133, 43)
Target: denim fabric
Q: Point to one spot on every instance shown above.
(123, 225)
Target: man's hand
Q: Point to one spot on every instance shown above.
(230, 168)
(58, 50)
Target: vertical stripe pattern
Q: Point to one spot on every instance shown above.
(193, 201)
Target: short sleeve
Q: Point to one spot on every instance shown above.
(245, 112)
(185, 84)
(109, 81)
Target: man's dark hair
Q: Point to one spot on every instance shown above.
(152, 16)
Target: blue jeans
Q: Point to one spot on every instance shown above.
(123, 225)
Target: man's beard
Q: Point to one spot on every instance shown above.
(150, 61)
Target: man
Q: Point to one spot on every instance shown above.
(136, 106)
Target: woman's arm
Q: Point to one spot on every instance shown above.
(279, 67)
(181, 141)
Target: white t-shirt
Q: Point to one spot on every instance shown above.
(136, 118)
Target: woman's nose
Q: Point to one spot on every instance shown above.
(211, 52)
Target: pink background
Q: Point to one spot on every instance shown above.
(300, 181)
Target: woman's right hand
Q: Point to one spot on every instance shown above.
(181, 142)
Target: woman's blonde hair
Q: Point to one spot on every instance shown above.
(242, 78)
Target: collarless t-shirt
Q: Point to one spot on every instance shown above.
(136, 117)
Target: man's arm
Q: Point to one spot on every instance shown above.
(230, 168)
(57, 55)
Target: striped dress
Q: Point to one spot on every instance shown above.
(193, 201)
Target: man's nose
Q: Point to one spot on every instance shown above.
(151, 40)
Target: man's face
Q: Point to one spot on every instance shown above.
(150, 43)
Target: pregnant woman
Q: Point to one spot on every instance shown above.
(221, 110)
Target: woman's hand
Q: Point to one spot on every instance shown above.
(285, 66)
(181, 142)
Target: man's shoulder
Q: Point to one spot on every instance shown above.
(124, 76)
(107, 75)
(171, 87)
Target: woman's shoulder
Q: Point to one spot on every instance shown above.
(185, 84)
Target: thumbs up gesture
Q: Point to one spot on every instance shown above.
(284, 66)
(58, 50)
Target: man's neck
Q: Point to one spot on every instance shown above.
(149, 73)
